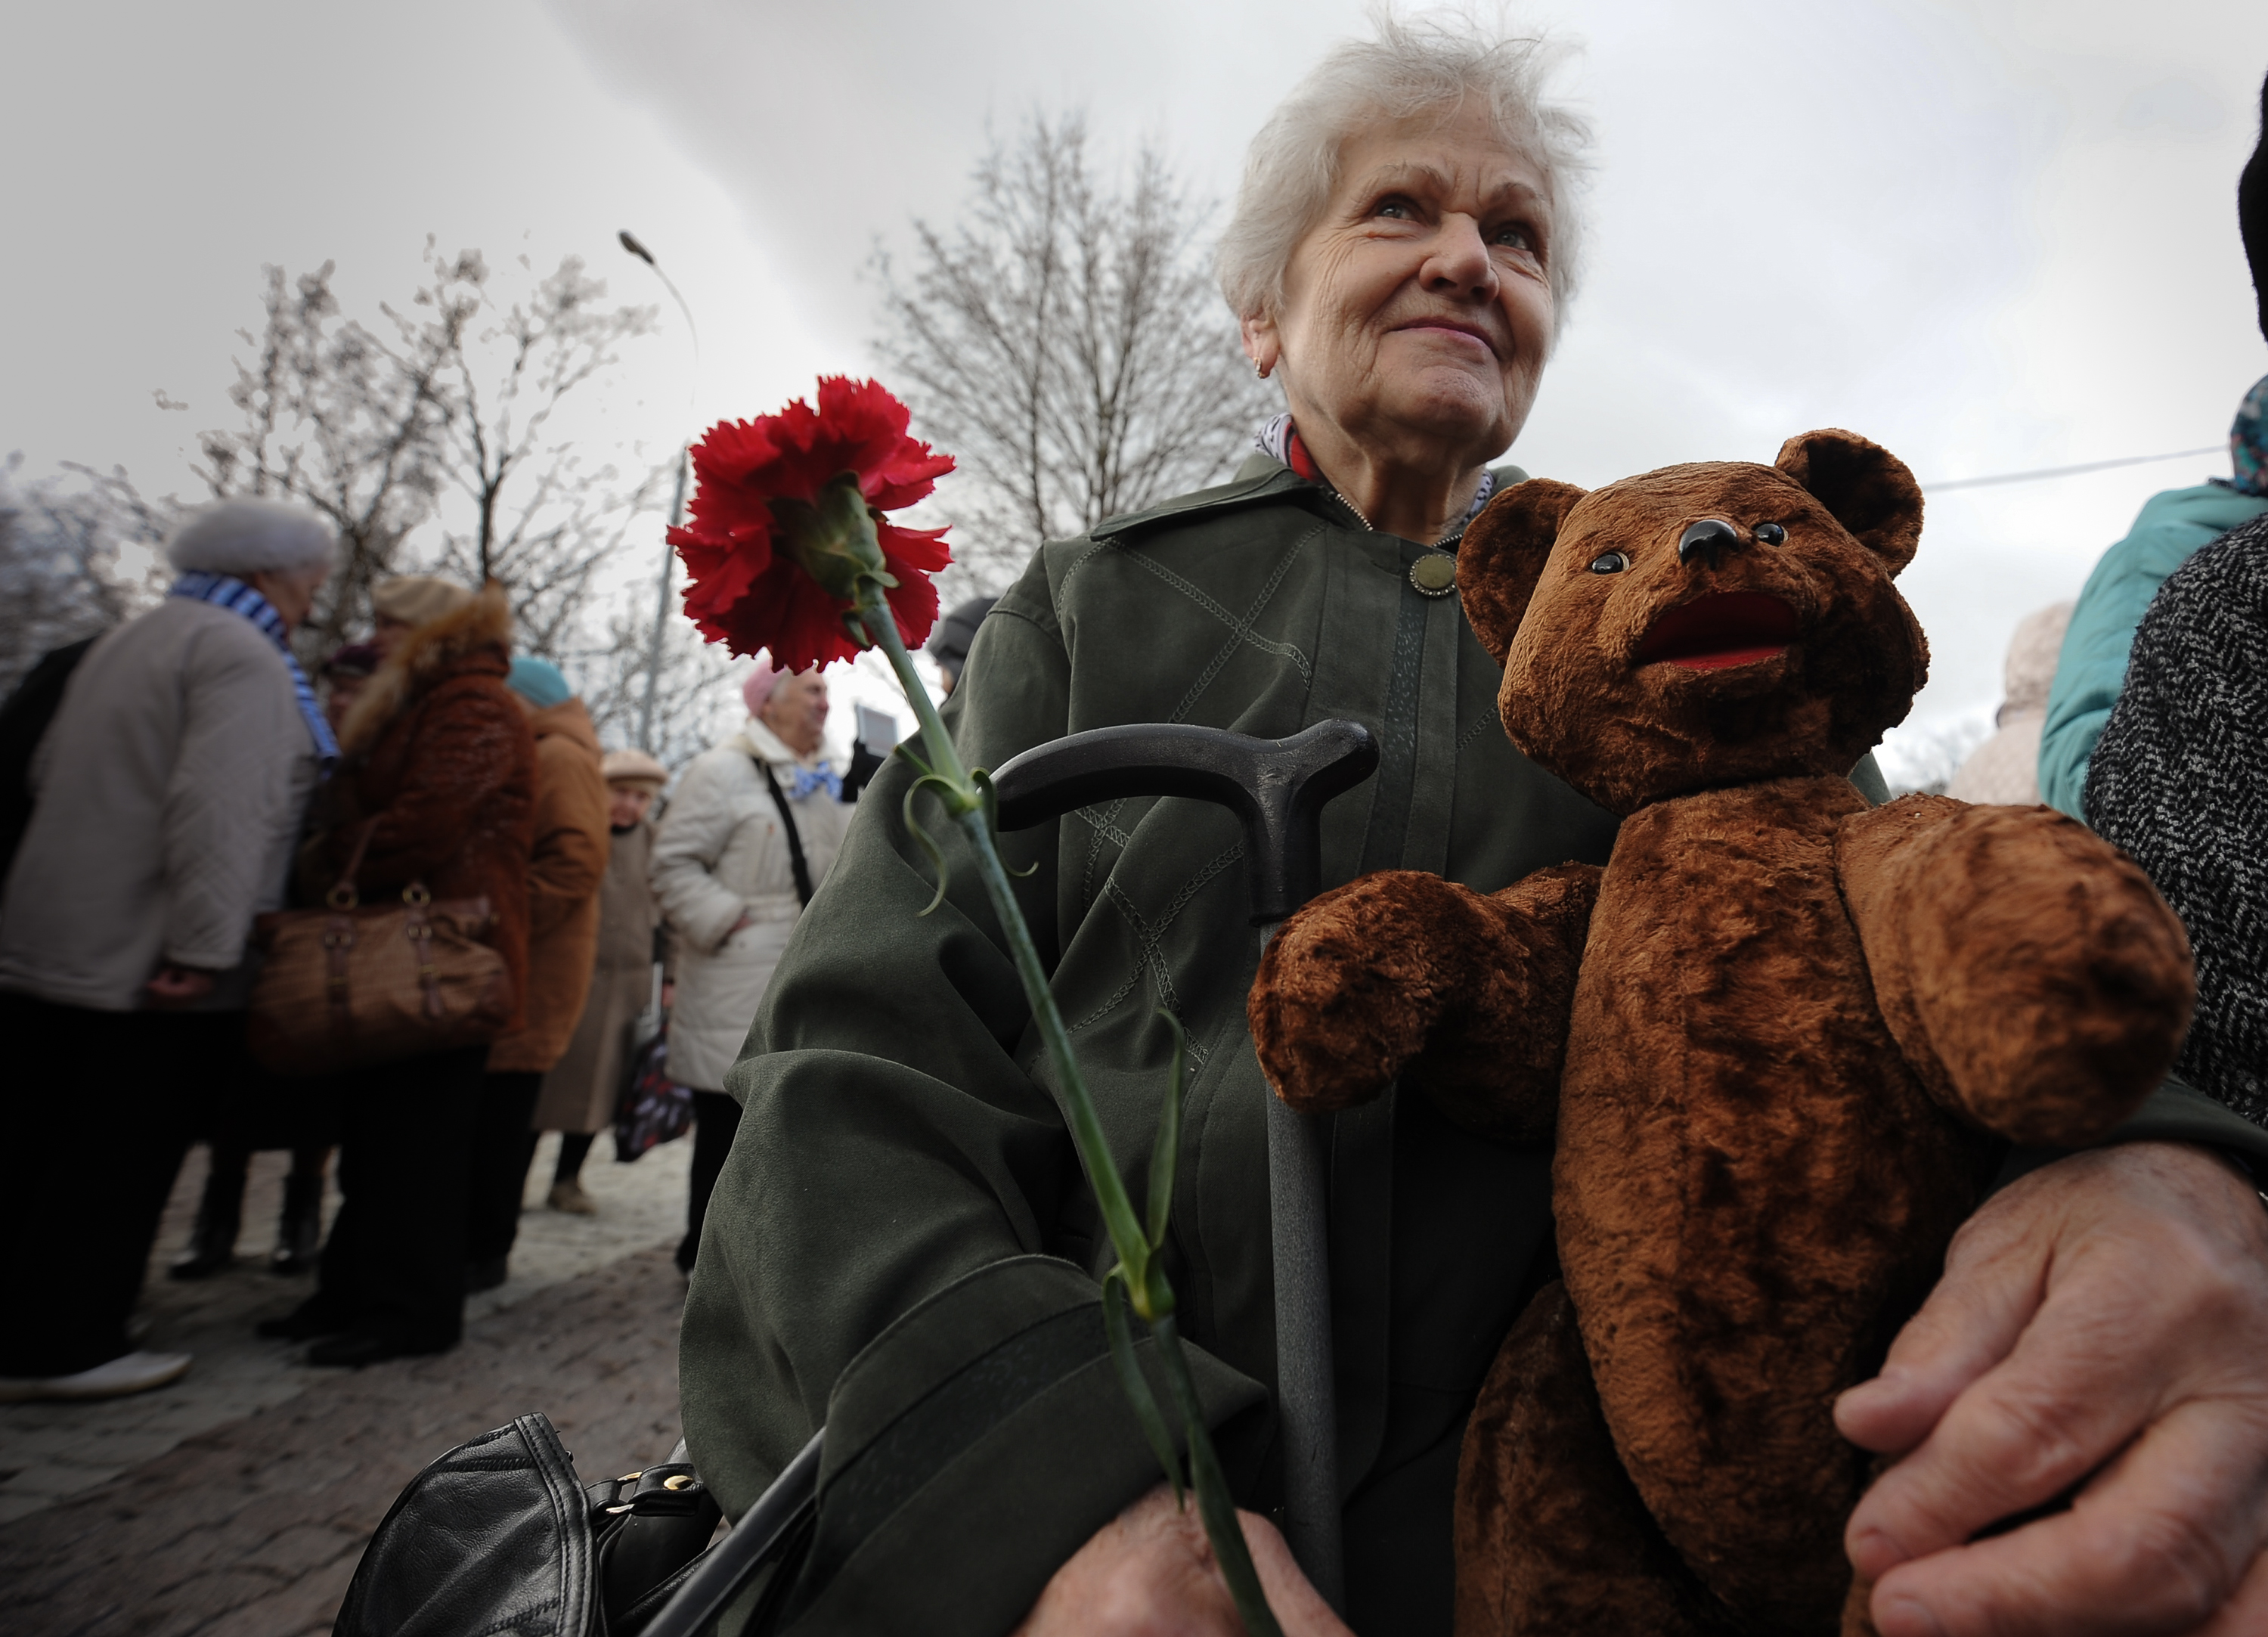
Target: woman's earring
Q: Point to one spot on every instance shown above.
(1259, 369)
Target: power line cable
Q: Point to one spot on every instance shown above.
(2068, 471)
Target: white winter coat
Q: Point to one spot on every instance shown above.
(168, 792)
(717, 854)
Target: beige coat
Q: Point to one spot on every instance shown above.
(718, 855)
(567, 861)
(579, 1092)
(169, 791)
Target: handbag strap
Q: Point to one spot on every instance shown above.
(344, 893)
(796, 862)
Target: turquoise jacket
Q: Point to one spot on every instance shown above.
(2093, 666)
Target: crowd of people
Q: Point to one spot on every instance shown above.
(888, 1224)
(181, 776)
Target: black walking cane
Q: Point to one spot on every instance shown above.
(1277, 788)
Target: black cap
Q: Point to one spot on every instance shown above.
(2252, 213)
(948, 644)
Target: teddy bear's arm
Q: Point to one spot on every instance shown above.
(1402, 972)
(2031, 974)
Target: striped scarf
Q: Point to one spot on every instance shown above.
(225, 591)
(1279, 440)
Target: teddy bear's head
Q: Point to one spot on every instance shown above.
(1702, 625)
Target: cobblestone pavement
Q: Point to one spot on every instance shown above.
(51, 1451)
(253, 1529)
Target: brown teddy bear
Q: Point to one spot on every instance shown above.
(1780, 1042)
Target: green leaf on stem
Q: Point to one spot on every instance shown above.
(1168, 1146)
(1134, 1383)
(1216, 1508)
(928, 844)
(982, 781)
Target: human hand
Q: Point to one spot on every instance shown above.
(171, 986)
(2099, 1334)
(1150, 1573)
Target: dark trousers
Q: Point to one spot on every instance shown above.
(502, 1147)
(715, 1118)
(98, 1109)
(395, 1263)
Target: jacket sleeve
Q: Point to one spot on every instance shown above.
(226, 801)
(2091, 670)
(882, 1251)
(568, 862)
(691, 838)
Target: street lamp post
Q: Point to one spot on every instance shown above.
(676, 505)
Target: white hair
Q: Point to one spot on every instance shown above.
(249, 537)
(1415, 66)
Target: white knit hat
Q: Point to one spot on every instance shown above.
(249, 537)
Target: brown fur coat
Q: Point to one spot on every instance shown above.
(1778, 1043)
(439, 753)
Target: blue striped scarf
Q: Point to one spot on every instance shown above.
(225, 591)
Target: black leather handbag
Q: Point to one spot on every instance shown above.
(500, 1535)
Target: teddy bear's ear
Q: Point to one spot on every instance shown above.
(1503, 553)
(1865, 488)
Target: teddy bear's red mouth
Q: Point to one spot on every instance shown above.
(1718, 631)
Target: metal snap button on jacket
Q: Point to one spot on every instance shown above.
(1434, 574)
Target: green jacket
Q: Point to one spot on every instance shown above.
(2091, 670)
(903, 1244)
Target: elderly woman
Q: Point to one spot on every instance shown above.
(754, 829)
(169, 790)
(903, 1244)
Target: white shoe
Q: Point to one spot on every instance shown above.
(130, 1373)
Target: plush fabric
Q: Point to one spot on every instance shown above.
(1781, 1039)
(2180, 780)
(565, 866)
(169, 790)
(439, 752)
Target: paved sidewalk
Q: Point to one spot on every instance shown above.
(253, 1529)
(52, 1451)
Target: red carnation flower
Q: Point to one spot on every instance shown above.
(755, 550)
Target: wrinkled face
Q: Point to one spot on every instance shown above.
(1419, 304)
(797, 711)
(1707, 625)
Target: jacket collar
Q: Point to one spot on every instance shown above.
(755, 738)
(1263, 480)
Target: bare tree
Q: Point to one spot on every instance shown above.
(542, 518)
(692, 692)
(60, 574)
(345, 421)
(1065, 342)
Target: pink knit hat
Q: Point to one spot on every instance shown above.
(758, 688)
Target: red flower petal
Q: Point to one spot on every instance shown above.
(740, 592)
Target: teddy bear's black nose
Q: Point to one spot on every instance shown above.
(1708, 538)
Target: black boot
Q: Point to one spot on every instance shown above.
(212, 1241)
(300, 1230)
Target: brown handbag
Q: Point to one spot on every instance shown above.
(349, 986)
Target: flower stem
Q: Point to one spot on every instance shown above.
(969, 812)
(1147, 1287)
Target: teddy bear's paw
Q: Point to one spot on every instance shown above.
(1353, 985)
(2033, 972)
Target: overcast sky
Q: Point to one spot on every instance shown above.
(1993, 234)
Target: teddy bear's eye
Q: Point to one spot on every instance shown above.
(1771, 533)
(1609, 562)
